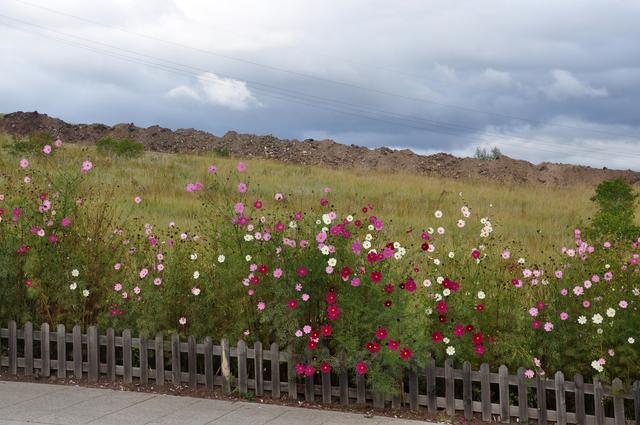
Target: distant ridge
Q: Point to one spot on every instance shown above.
(316, 152)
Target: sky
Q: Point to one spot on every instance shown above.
(551, 81)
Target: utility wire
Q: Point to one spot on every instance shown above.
(320, 78)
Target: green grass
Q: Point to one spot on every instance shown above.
(536, 215)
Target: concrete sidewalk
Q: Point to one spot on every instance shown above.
(32, 403)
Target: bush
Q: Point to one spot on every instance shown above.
(34, 143)
(617, 202)
(124, 147)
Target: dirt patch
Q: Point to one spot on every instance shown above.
(316, 152)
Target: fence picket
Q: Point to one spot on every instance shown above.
(292, 390)
(598, 398)
(485, 392)
(275, 371)
(561, 403)
(225, 365)
(176, 374)
(326, 388)
(636, 401)
(541, 399)
(258, 365)
(431, 385)
(523, 396)
(28, 349)
(77, 352)
(61, 347)
(449, 387)
(127, 357)
(503, 382)
(208, 363)
(144, 358)
(192, 361)
(111, 355)
(467, 400)
(308, 380)
(360, 390)
(344, 386)
(581, 416)
(93, 354)
(378, 400)
(45, 351)
(159, 355)
(413, 390)
(243, 385)
(618, 401)
(13, 348)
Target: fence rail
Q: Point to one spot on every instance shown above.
(241, 368)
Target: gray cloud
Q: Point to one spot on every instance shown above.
(574, 76)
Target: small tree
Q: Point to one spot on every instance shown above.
(483, 154)
(616, 200)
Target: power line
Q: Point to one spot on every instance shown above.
(299, 98)
(323, 79)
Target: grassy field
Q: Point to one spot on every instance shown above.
(535, 215)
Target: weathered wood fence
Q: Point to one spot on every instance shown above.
(494, 396)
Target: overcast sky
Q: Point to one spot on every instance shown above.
(544, 81)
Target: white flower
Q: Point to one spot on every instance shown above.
(332, 262)
(368, 237)
(370, 227)
(396, 245)
(325, 250)
(73, 286)
(607, 266)
(597, 318)
(611, 312)
(193, 256)
(451, 350)
(195, 290)
(582, 320)
(521, 260)
(248, 258)
(445, 340)
(599, 331)
(430, 230)
(196, 274)
(366, 244)
(85, 293)
(597, 366)
(397, 256)
(436, 261)
(426, 283)
(326, 219)
(440, 279)
(631, 340)
(248, 238)
(293, 224)
(349, 218)
(318, 222)
(451, 254)
(75, 273)
(438, 297)
(481, 295)
(438, 214)
(446, 292)
(325, 229)
(221, 258)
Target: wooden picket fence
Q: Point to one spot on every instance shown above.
(487, 394)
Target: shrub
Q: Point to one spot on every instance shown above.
(120, 147)
(616, 202)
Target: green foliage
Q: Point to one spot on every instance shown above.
(616, 201)
(221, 152)
(29, 145)
(120, 147)
(483, 154)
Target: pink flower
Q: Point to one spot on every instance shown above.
(355, 281)
(506, 254)
(529, 373)
(242, 188)
(212, 169)
(558, 274)
(24, 163)
(548, 326)
(608, 276)
(381, 333)
(143, 273)
(86, 167)
(182, 320)
(261, 305)
(46, 149)
(361, 368)
(241, 167)
(533, 312)
(564, 315)
(57, 143)
(66, 222)
(157, 281)
(137, 199)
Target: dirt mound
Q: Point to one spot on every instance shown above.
(315, 152)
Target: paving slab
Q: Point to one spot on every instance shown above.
(33, 403)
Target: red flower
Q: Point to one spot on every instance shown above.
(372, 346)
(263, 269)
(470, 328)
(361, 368)
(442, 318)
(437, 337)
(314, 335)
(345, 273)
(293, 304)
(309, 370)
(410, 285)
(331, 298)
(406, 353)
(393, 344)
(381, 333)
(325, 367)
(302, 271)
(458, 330)
(479, 349)
(442, 307)
(312, 345)
(258, 204)
(325, 329)
(475, 254)
(300, 369)
(425, 246)
(376, 276)
(333, 312)
(480, 307)
(477, 338)
(388, 303)
(388, 288)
